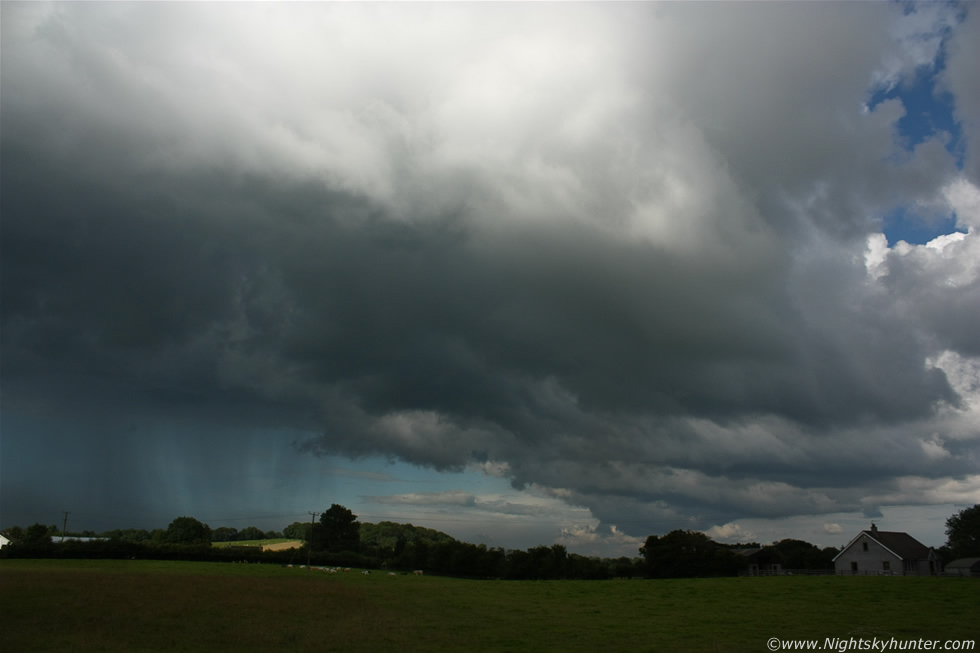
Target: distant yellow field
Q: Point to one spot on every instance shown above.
(281, 546)
(265, 545)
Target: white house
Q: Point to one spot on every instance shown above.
(887, 553)
(4, 540)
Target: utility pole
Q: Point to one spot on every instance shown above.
(309, 543)
(64, 527)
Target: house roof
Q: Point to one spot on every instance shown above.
(902, 545)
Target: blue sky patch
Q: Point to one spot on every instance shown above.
(928, 114)
(928, 109)
(905, 224)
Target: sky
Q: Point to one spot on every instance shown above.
(523, 273)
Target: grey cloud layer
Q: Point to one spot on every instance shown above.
(621, 249)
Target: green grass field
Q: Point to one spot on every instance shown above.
(102, 605)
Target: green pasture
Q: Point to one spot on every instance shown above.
(132, 605)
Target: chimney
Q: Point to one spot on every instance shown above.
(874, 528)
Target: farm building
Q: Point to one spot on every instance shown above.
(57, 539)
(4, 540)
(964, 567)
(762, 561)
(888, 553)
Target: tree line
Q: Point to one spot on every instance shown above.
(338, 538)
(183, 530)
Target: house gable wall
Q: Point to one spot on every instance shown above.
(870, 561)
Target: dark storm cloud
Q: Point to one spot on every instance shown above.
(614, 249)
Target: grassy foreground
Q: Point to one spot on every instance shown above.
(111, 605)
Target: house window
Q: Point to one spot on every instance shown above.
(886, 565)
(864, 545)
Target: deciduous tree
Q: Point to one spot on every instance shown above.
(298, 530)
(963, 533)
(338, 530)
(798, 554)
(224, 534)
(15, 533)
(250, 533)
(187, 530)
(36, 534)
(680, 554)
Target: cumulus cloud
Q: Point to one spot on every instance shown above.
(630, 255)
(591, 540)
(730, 532)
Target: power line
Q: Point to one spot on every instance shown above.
(64, 527)
(309, 543)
